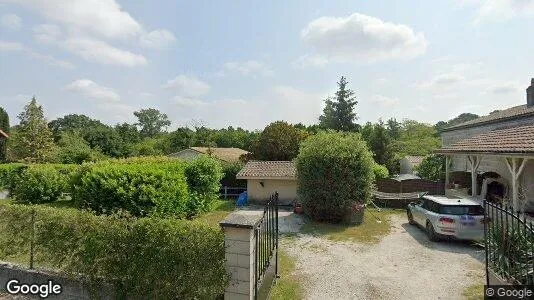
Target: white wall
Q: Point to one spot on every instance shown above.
(287, 190)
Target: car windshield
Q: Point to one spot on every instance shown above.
(462, 210)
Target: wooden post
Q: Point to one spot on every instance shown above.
(515, 171)
(448, 160)
(474, 162)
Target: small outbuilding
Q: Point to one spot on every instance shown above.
(229, 155)
(408, 163)
(266, 177)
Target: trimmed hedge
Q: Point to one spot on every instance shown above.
(147, 258)
(39, 184)
(203, 178)
(335, 171)
(141, 189)
(8, 172)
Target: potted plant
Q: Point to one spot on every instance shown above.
(356, 213)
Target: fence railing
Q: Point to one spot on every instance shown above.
(266, 248)
(509, 244)
(231, 192)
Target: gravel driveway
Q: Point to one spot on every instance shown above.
(403, 265)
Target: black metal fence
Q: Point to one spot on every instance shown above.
(231, 192)
(509, 247)
(266, 249)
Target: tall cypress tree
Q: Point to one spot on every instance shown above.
(338, 113)
(4, 126)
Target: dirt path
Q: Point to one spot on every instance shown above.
(403, 265)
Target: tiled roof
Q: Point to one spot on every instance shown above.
(518, 140)
(510, 113)
(225, 154)
(2, 133)
(268, 169)
(415, 160)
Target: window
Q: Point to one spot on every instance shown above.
(457, 210)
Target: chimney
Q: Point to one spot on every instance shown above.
(530, 94)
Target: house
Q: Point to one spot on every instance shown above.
(229, 155)
(266, 177)
(501, 144)
(408, 163)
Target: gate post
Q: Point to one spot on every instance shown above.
(240, 244)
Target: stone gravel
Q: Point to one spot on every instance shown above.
(403, 265)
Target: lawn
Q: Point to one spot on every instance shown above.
(287, 286)
(371, 231)
(221, 208)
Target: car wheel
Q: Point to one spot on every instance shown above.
(432, 235)
(410, 217)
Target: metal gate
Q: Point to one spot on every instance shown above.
(509, 246)
(266, 249)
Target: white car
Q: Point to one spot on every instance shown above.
(448, 217)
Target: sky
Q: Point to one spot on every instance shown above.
(248, 63)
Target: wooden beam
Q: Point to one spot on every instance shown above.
(448, 161)
(474, 161)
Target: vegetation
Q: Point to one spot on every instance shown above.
(338, 113)
(151, 121)
(370, 232)
(4, 126)
(39, 184)
(287, 286)
(203, 177)
(432, 168)
(380, 171)
(279, 141)
(148, 258)
(335, 171)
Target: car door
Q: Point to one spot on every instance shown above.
(417, 212)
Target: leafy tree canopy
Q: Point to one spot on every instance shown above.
(151, 121)
(279, 141)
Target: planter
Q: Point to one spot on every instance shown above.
(356, 215)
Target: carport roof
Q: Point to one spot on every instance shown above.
(268, 170)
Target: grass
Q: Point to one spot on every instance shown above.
(369, 232)
(287, 287)
(5, 201)
(476, 290)
(220, 210)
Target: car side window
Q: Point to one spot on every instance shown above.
(426, 204)
(435, 207)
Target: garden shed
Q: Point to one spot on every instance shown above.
(266, 177)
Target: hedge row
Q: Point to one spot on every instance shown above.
(147, 258)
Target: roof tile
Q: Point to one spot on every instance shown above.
(268, 169)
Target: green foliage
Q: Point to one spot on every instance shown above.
(416, 139)
(146, 258)
(32, 141)
(380, 143)
(151, 121)
(335, 170)
(39, 184)
(141, 188)
(8, 175)
(279, 141)
(338, 113)
(73, 149)
(152, 147)
(4, 126)
(455, 121)
(106, 140)
(203, 178)
(128, 133)
(230, 171)
(432, 168)
(72, 123)
(182, 138)
(380, 172)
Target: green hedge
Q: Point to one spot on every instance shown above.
(141, 189)
(8, 172)
(147, 258)
(39, 184)
(203, 178)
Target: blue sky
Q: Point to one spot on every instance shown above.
(248, 63)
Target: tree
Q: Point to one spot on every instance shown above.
(416, 139)
(72, 123)
(4, 126)
(432, 168)
(182, 138)
(455, 121)
(73, 149)
(128, 132)
(380, 143)
(105, 139)
(394, 128)
(151, 121)
(338, 113)
(33, 141)
(279, 141)
(335, 171)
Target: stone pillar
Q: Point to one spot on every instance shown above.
(240, 245)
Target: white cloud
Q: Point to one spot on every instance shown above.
(98, 51)
(12, 21)
(308, 60)
(189, 102)
(504, 88)
(442, 81)
(92, 90)
(188, 86)
(7, 46)
(385, 101)
(250, 67)
(501, 10)
(47, 33)
(157, 39)
(361, 38)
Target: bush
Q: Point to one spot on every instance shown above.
(39, 184)
(432, 168)
(8, 174)
(147, 258)
(203, 178)
(380, 171)
(141, 189)
(230, 171)
(335, 170)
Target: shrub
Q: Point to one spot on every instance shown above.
(139, 188)
(147, 258)
(230, 171)
(203, 178)
(380, 171)
(8, 174)
(432, 168)
(39, 184)
(334, 171)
